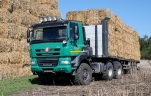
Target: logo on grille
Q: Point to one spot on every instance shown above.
(47, 49)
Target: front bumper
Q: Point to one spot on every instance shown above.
(56, 69)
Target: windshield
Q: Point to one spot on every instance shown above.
(50, 33)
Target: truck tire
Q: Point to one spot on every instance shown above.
(83, 75)
(43, 79)
(119, 71)
(108, 74)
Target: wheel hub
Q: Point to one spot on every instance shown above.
(110, 72)
(85, 75)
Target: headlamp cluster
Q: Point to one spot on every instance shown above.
(47, 19)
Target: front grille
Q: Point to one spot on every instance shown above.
(51, 52)
(48, 62)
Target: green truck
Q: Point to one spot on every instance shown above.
(67, 48)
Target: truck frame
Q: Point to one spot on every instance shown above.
(81, 54)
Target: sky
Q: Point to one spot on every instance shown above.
(136, 13)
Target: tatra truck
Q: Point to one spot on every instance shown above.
(67, 48)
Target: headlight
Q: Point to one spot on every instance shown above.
(65, 62)
(49, 18)
(33, 62)
(45, 19)
(40, 20)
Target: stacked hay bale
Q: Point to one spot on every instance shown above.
(15, 18)
(122, 42)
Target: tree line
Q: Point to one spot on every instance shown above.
(145, 47)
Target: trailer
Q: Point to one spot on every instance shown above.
(66, 47)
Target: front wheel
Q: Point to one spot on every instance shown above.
(83, 75)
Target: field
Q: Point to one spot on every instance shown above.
(137, 84)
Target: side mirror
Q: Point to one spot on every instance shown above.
(76, 36)
(28, 33)
(28, 40)
(76, 30)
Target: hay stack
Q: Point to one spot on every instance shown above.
(122, 40)
(15, 18)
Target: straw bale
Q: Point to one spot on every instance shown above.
(40, 10)
(4, 3)
(26, 60)
(91, 16)
(13, 31)
(25, 19)
(52, 3)
(8, 71)
(34, 19)
(34, 8)
(25, 5)
(13, 18)
(23, 31)
(3, 30)
(23, 45)
(5, 45)
(15, 45)
(4, 58)
(3, 15)
(78, 15)
(15, 57)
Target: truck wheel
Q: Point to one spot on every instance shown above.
(43, 79)
(119, 71)
(108, 74)
(83, 75)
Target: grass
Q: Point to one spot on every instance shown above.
(11, 86)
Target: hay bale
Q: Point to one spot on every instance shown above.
(34, 19)
(3, 30)
(25, 19)
(13, 31)
(4, 3)
(3, 14)
(4, 58)
(15, 45)
(25, 5)
(26, 60)
(13, 18)
(23, 31)
(52, 3)
(91, 16)
(8, 71)
(15, 57)
(23, 45)
(5, 45)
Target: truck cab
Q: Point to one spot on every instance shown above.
(57, 47)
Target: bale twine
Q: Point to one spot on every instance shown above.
(4, 58)
(15, 57)
(5, 45)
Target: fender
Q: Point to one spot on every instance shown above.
(79, 58)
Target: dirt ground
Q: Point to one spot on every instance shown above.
(137, 84)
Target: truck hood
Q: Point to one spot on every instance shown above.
(54, 49)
